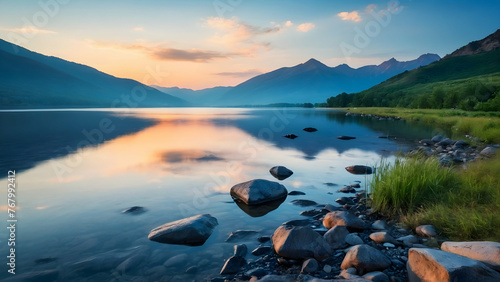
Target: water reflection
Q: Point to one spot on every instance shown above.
(176, 163)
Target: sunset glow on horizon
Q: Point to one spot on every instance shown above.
(201, 44)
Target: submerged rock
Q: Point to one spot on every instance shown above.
(310, 129)
(240, 250)
(233, 265)
(240, 235)
(346, 137)
(304, 203)
(134, 210)
(258, 191)
(290, 136)
(280, 172)
(192, 231)
(296, 193)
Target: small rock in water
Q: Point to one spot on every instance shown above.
(356, 185)
(241, 235)
(280, 172)
(258, 191)
(304, 203)
(134, 210)
(344, 200)
(176, 260)
(191, 231)
(329, 184)
(347, 189)
(346, 137)
(264, 239)
(310, 129)
(233, 265)
(240, 250)
(360, 169)
(262, 250)
(291, 136)
(426, 231)
(296, 193)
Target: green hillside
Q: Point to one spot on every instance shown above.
(467, 82)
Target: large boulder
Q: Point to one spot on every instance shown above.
(485, 252)
(336, 236)
(258, 191)
(300, 242)
(347, 219)
(192, 231)
(280, 172)
(365, 259)
(436, 265)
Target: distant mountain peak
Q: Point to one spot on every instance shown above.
(313, 63)
(489, 43)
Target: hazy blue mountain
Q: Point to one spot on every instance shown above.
(203, 97)
(33, 80)
(313, 81)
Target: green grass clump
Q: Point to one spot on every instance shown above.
(462, 203)
(409, 184)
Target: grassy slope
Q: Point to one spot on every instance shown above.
(450, 74)
(485, 125)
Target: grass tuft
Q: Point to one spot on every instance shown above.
(462, 203)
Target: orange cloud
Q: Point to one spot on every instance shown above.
(168, 54)
(305, 27)
(247, 73)
(350, 16)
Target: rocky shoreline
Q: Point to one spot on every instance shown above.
(354, 243)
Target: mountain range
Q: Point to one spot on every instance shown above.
(311, 81)
(468, 79)
(32, 80)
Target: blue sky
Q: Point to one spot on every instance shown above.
(198, 44)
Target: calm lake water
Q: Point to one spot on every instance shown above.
(76, 170)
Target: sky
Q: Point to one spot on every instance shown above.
(206, 43)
